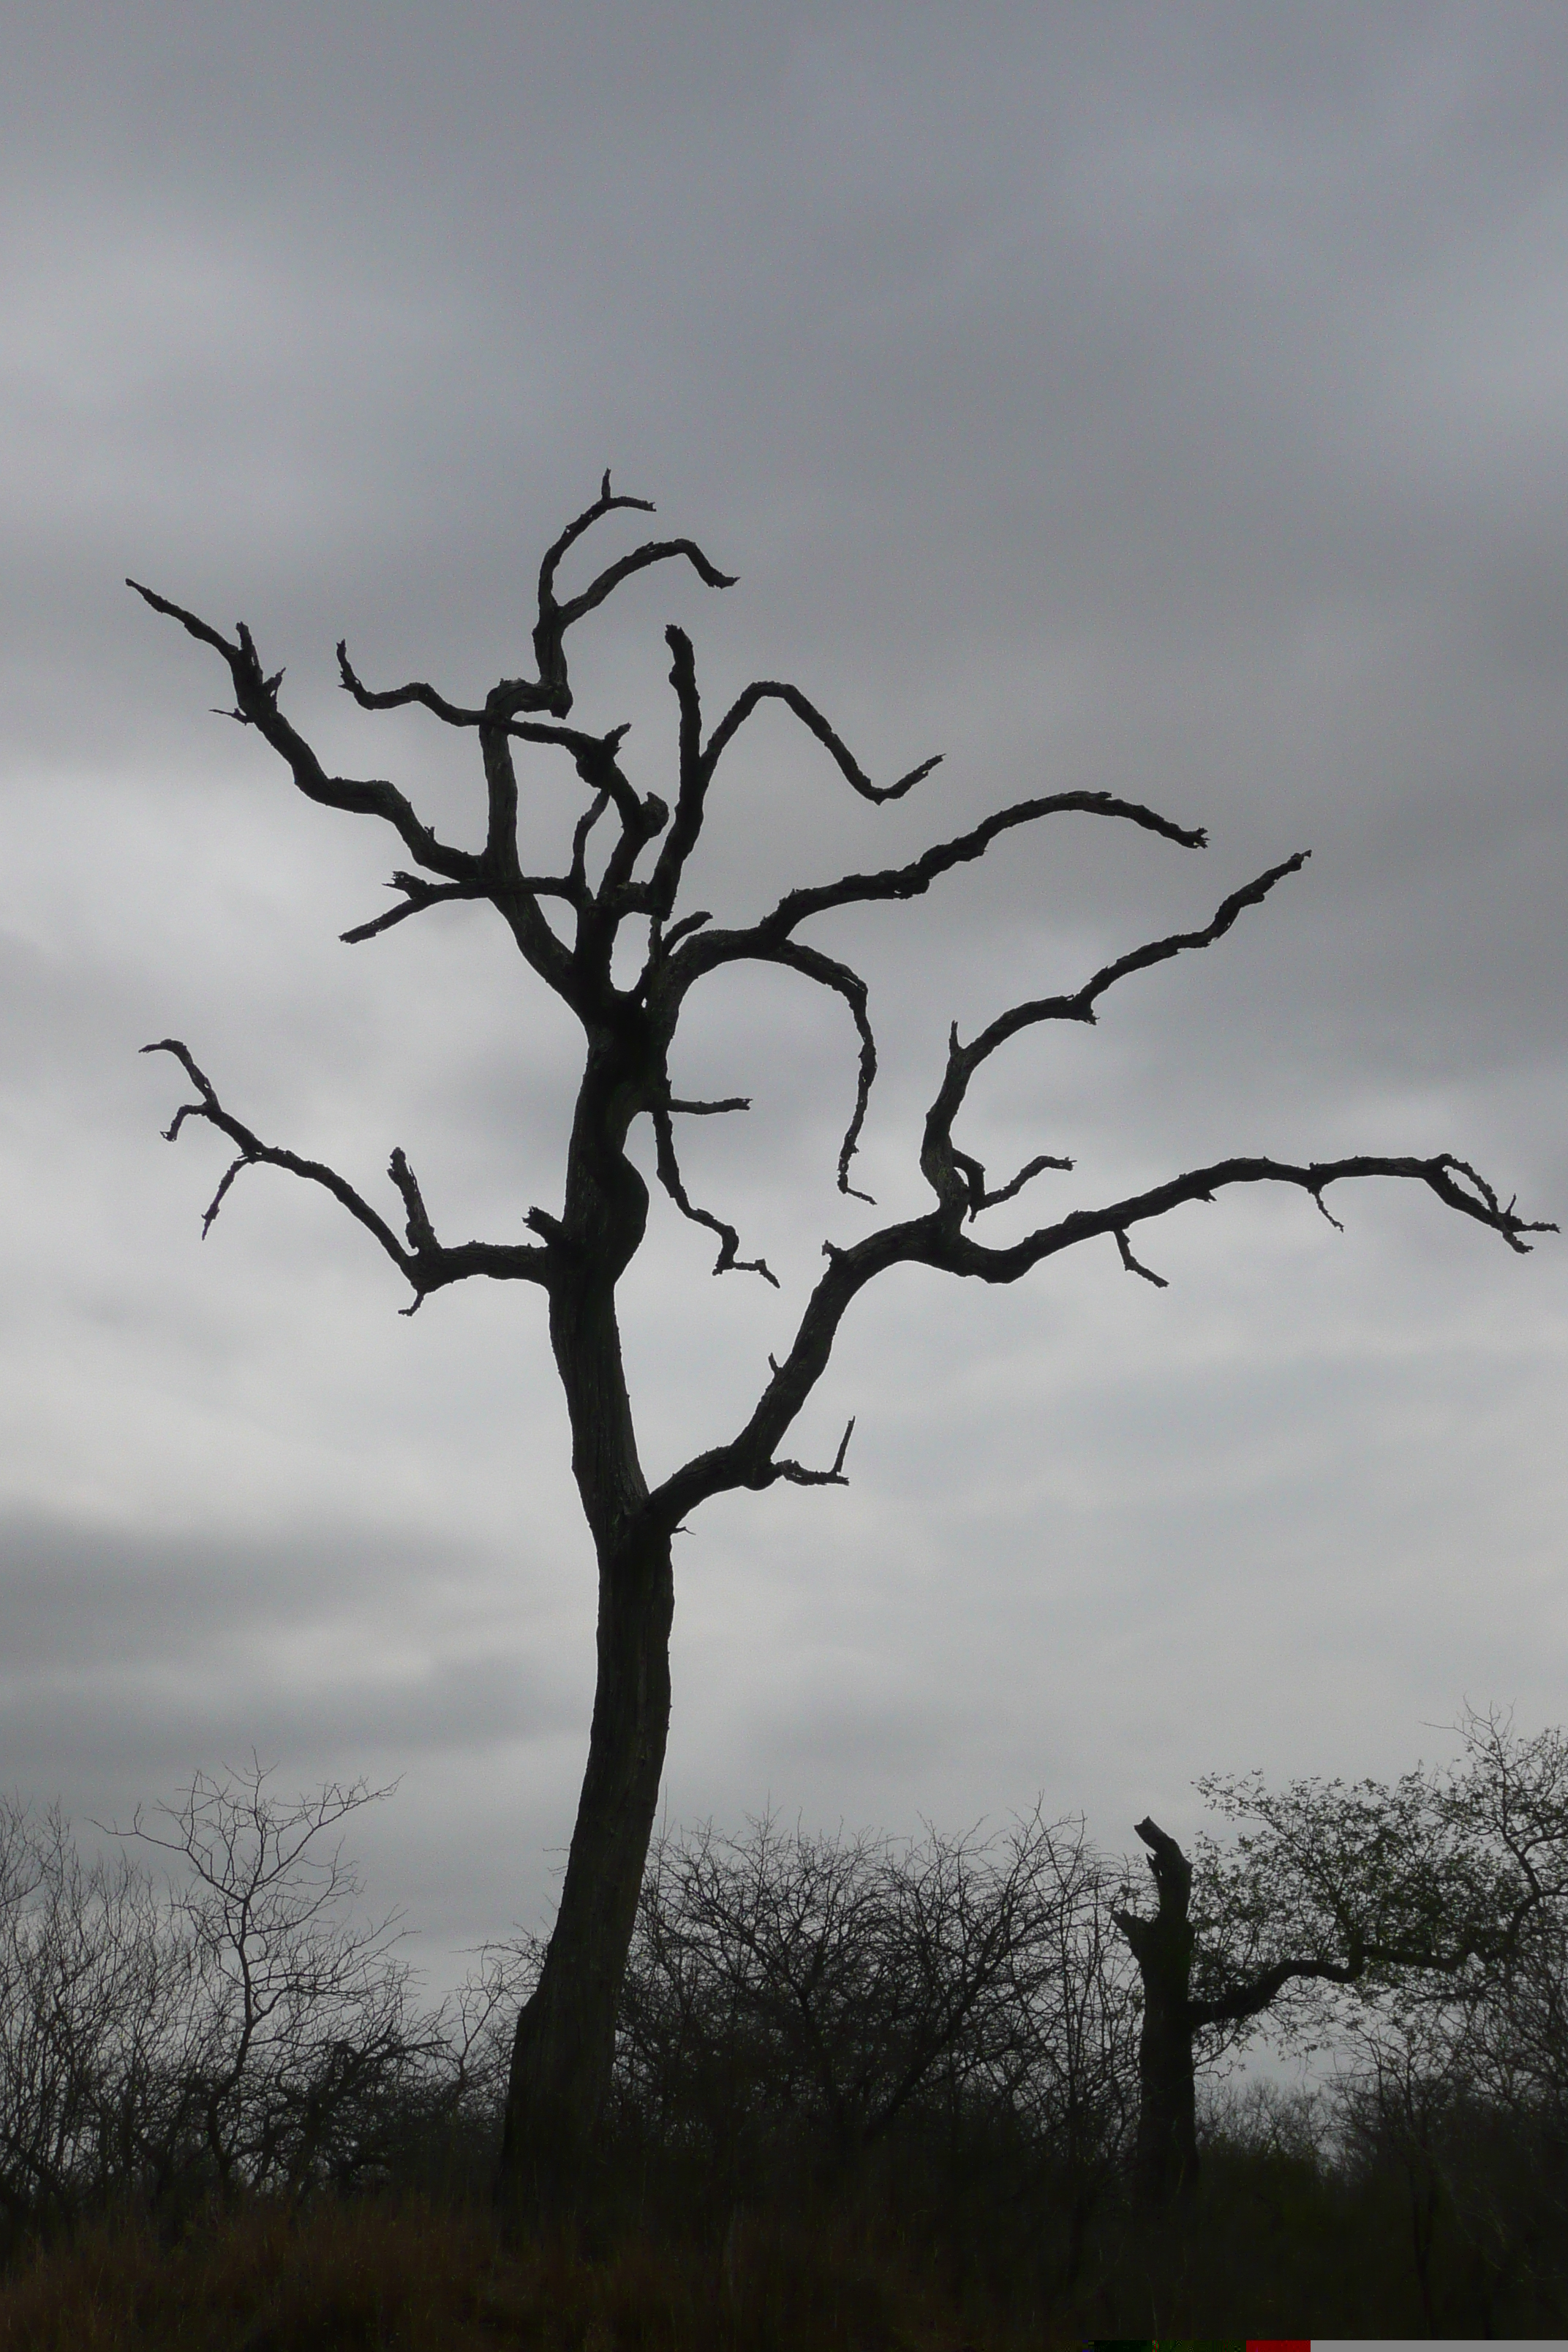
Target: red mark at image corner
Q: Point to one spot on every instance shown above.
(1201, 2343)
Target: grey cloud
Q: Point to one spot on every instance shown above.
(1164, 400)
(78, 1595)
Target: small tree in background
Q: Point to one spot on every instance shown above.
(1446, 1890)
(1456, 2085)
(237, 2028)
(618, 882)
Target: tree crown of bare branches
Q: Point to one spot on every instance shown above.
(631, 1028)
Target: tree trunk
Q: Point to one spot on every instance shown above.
(564, 2045)
(1165, 2162)
(565, 2042)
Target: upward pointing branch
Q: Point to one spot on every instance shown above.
(947, 1170)
(255, 705)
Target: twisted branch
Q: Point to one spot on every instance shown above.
(255, 705)
(671, 970)
(770, 689)
(669, 1176)
(912, 880)
(395, 698)
(552, 691)
(937, 1240)
(639, 1025)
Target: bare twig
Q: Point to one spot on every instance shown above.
(669, 1176)
(1131, 1263)
(425, 1264)
(797, 1475)
(255, 705)
(395, 697)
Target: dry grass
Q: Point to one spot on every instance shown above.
(1272, 2246)
(408, 2276)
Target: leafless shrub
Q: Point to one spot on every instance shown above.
(817, 1996)
(231, 2025)
(95, 1988)
(300, 2026)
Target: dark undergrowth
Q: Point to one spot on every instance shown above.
(1271, 2245)
(395, 2272)
(865, 2098)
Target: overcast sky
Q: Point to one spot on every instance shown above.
(1171, 398)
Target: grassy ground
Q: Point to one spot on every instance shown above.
(385, 2274)
(1273, 2247)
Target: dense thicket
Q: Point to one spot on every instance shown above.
(939, 2036)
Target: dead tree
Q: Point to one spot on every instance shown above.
(580, 1249)
(1165, 2158)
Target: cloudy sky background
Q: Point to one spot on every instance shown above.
(1168, 398)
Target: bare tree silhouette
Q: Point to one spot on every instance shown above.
(579, 1253)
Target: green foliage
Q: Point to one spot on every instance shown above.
(1440, 1875)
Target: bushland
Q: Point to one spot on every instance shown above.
(867, 2091)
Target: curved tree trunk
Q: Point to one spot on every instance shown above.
(564, 2045)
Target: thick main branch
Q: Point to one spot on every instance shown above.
(936, 1241)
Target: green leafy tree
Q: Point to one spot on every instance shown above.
(1436, 1888)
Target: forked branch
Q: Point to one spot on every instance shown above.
(255, 705)
(795, 1474)
(424, 1264)
(948, 1171)
(937, 1240)
(699, 760)
(690, 950)
(551, 690)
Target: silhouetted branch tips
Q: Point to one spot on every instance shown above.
(244, 1161)
(396, 698)
(974, 1173)
(421, 1231)
(190, 621)
(629, 1026)
(1132, 1267)
(769, 690)
(795, 1474)
(727, 1260)
(1483, 1203)
(426, 1265)
(418, 894)
(1324, 1210)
